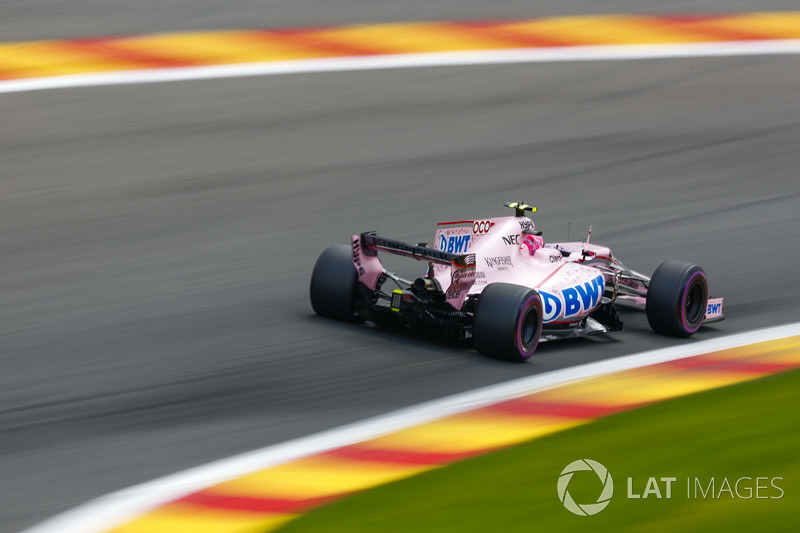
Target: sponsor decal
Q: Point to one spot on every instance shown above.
(629, 283)
(357, 257)
(556, 258)
(574, 300)
(464, 261)
(714, 308)
(526, 224)
(480, 274)
(511, 240)
(504, 260)
(481, 227)
(455, 244)
(459, 274)
(453, 292)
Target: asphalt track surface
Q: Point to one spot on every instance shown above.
(158, 239)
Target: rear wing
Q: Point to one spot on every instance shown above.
(420, 253)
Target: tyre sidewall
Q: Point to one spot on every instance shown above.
(507, 322)
(672, 286)
(333, 284)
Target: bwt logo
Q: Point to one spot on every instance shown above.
(713, 309)
(573, 300)
(455, 244)
(585, 509)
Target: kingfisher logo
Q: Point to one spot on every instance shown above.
(573, 300)
(455, 244)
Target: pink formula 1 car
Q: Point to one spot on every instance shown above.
(497, 282)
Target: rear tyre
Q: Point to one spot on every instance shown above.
(676, 299)
(507, 322)
(333, 284)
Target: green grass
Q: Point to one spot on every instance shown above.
(751, 429)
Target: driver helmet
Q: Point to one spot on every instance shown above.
(532, 243)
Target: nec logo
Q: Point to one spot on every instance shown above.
(511, 239)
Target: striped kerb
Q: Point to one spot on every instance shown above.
(264, 500)
(81, 56)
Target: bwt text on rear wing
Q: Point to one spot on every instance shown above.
(420, 253)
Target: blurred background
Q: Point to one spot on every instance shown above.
(157, 240)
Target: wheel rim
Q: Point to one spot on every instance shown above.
(694, 299)
(529, 330)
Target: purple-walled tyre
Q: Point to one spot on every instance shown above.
(677, 298)
(333, 284)
(507, 322)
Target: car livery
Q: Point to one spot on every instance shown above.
(497, 283)
(572, 302)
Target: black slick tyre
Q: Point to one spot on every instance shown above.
(507, 322)
(333, 284)
(676, 299)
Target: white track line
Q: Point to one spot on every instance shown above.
(119, 507)
(438, 59)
